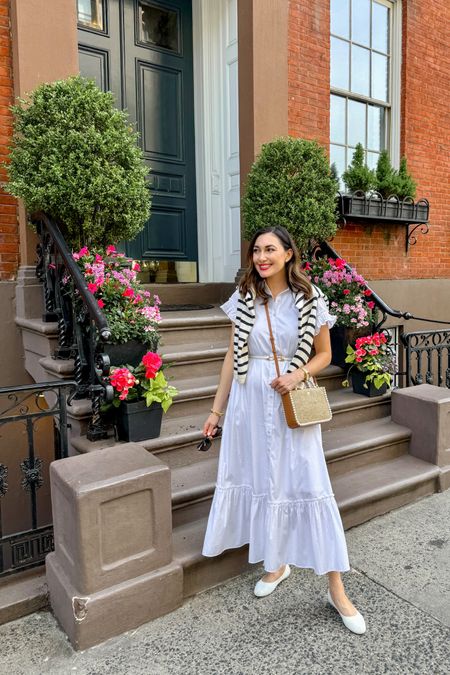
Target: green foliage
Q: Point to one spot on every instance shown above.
(158, 391)
(406, 186)
(358, 176)
(335, 175)
(75, 156)
(290, 185)
(386, 183)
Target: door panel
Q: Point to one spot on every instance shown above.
(152, 56)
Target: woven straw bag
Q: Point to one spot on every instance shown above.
(305, 405)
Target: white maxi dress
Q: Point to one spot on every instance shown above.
(273, 491)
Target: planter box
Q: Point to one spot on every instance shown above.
(358, 380)
(130, 353)
(136, 422)
(373, 208)
(340, 337)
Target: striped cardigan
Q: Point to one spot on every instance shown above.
(245, 317)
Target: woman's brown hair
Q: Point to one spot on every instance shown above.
(295, 277)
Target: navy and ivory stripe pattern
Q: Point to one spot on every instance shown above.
(245, 317)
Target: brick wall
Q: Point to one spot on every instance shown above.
(379, 253)
(9, 235)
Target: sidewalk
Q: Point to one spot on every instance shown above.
(400, 581)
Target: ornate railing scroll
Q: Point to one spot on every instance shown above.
(82, 326)
(427, 357)
(430, 345)
(33, 432)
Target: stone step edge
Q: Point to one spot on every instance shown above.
(195, 530)
(50, 329)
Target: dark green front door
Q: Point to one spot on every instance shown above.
(142, 51)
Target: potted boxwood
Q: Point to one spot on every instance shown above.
(75, 156)
(291, 184)
(372, 365)
(349, 299)
(142, 394)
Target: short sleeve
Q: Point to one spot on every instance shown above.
(323, 316)
(230, 306)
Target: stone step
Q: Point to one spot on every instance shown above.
(361, 495)
(191, 327)
(22, 593)
(182, 293)
(357, 446)
(39, 339)
(186, 361)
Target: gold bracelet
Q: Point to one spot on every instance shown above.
(216, 412)
(307, 373)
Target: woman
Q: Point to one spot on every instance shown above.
(273, 490)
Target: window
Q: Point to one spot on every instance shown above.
(365, 72)
(91, 14)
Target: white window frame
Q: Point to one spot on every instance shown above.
(393, 107)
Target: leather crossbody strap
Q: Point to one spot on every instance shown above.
(272, 341)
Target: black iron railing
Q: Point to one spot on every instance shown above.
(33, 432)
(427, 357)
(82, 326)
(426, 352)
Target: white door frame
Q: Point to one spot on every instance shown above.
(211, 113)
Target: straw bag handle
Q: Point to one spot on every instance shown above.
(272, 341)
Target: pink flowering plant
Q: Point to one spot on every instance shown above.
(131, 311)
(372, 355)
(146, 381)
(346, 290)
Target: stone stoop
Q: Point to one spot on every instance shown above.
(23, 593)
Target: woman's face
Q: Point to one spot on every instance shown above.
(269, 255)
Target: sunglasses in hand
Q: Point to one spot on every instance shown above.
(205, 444)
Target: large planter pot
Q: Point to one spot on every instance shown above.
(130, 353)
(358, 381)
(341, 336)
(136, 422)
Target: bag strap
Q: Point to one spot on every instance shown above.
(272, 341)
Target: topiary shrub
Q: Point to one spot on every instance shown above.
(358, 176)
(406, 186)
(290, 184)
(75, 156)
(386, 177)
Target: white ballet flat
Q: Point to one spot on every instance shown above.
(355, 623)
(264, 588)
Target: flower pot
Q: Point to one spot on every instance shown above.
(358, 381)
(130, 353)
(136, 422)
(341, 336)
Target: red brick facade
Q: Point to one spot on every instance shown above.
(379, 253)
(9, 235)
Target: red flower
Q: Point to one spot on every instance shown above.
(307, 266)
(371, 304)
(100, 303)
(367, 292)
(339, 263)
(110, 249)
(128, 293)
(346, 291)
(98, 258)
(83, 251)
(152, 363)
(135, 266)
(122, 380)
(92, 287)
(361, 352)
